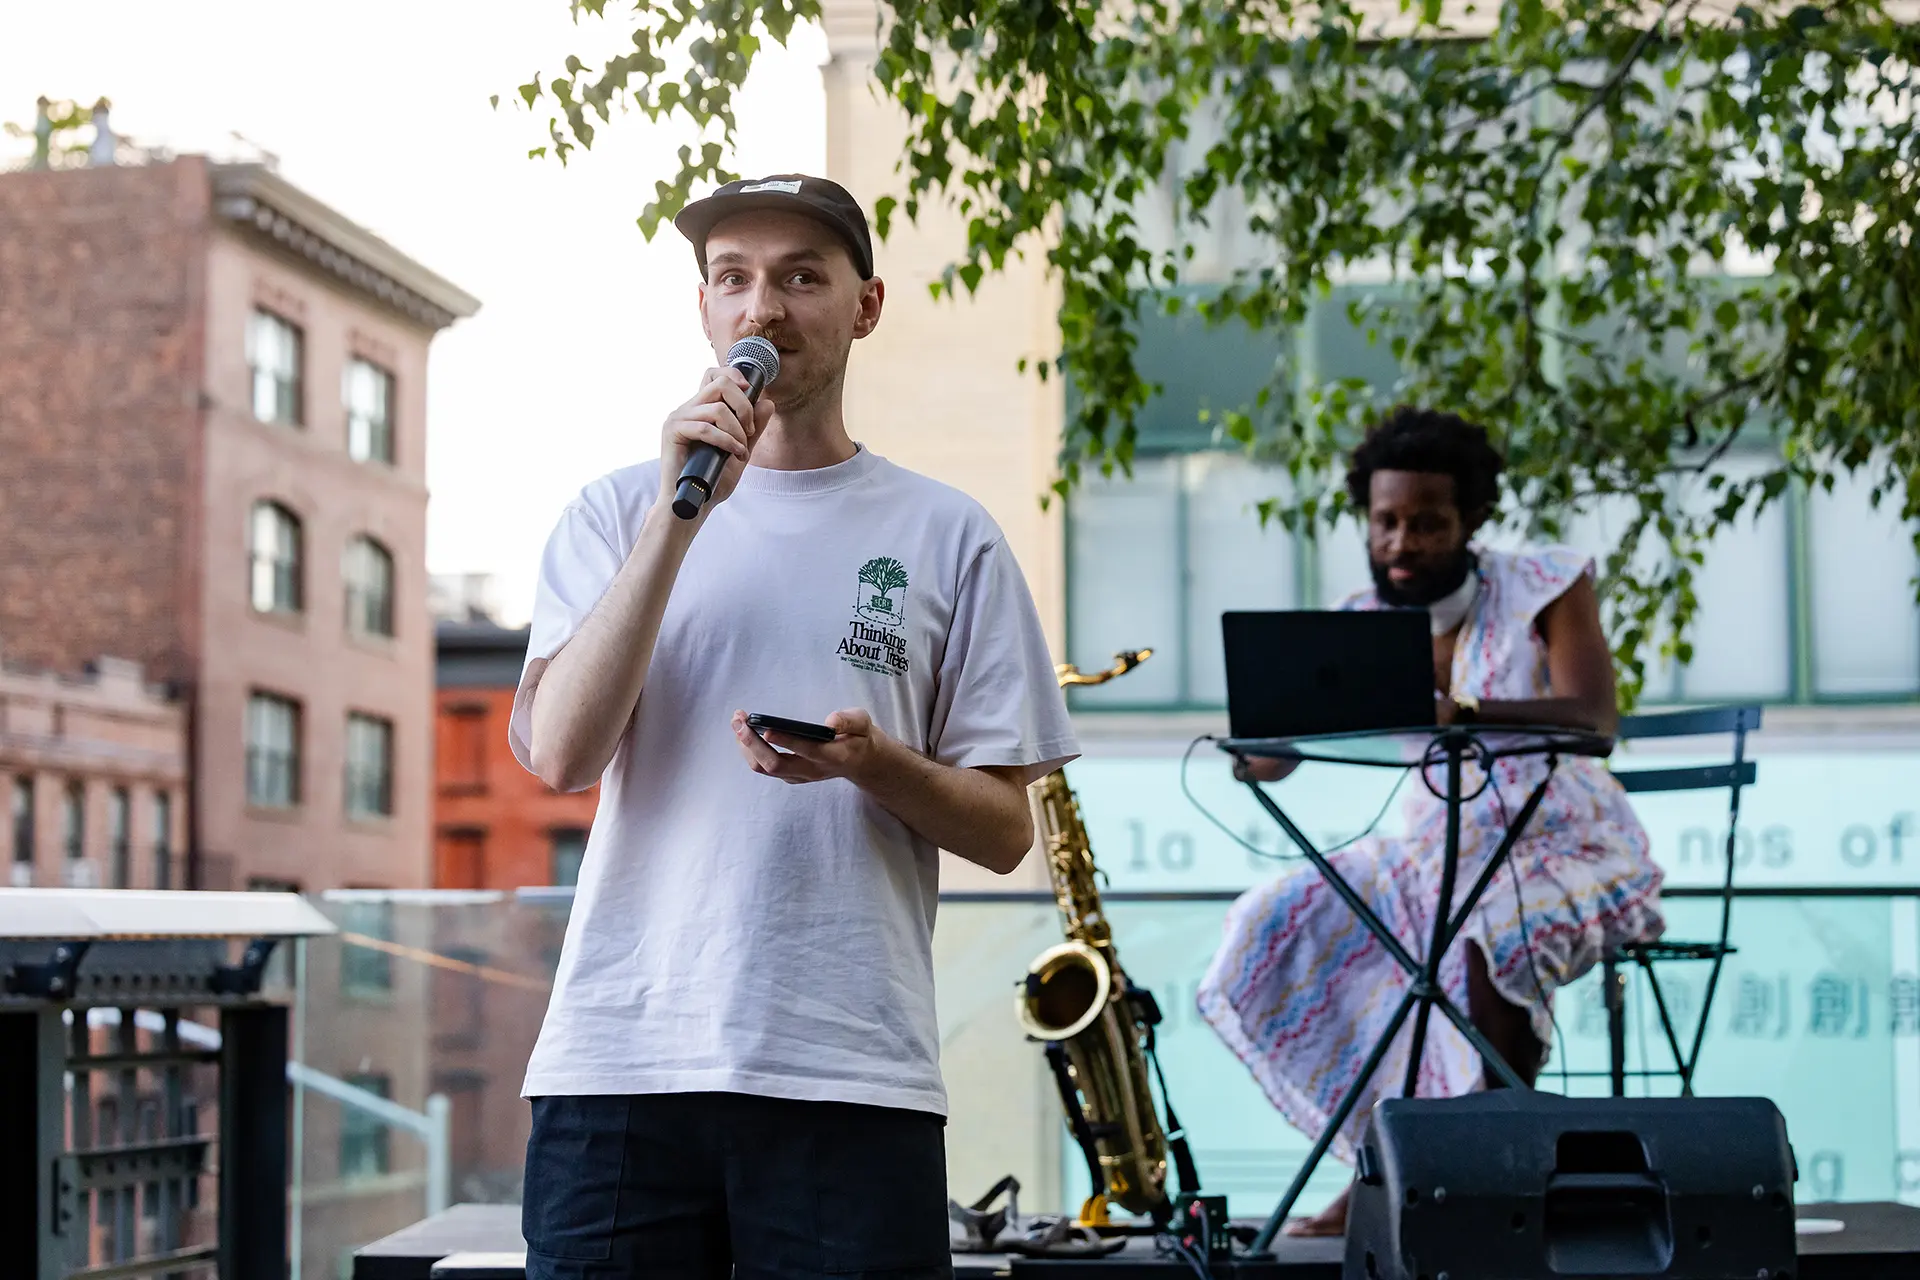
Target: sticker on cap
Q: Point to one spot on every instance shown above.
(787, 188)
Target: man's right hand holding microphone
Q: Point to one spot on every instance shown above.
(719, 414)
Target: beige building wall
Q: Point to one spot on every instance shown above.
(937, 388)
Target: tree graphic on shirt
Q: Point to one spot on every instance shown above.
(885, 575)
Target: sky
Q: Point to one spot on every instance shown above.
(587, 334)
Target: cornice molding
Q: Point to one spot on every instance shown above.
(262, 204)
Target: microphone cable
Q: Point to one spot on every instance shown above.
(1254, 849)
(1478, 750)
(1520, 910)
(1168, 1245)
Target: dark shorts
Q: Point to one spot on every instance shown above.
(715, 1184)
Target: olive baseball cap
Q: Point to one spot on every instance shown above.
(824, 201)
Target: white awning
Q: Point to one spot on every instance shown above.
(83, 915)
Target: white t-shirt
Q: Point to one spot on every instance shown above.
(732, 932)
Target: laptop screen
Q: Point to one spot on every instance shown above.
(1291, 673)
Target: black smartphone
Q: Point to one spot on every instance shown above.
(797, 728)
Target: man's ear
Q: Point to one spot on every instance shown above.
(1478, 517)
(705, 327)
(873, 296)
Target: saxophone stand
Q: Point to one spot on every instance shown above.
(1096, 1209)
(1406, 749)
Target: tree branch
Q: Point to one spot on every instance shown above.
(1611, 85)
(1480, 122)
(1719, 450)
(1714, 454)
(1735, 387)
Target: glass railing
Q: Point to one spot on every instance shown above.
(415, 1023)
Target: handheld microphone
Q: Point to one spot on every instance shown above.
(760, 361)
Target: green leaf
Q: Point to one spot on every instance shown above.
(1806, 18)
(1597, 176)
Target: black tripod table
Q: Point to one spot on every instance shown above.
(1423, 748)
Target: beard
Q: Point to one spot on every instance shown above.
(796, 393)
(807, 377)
(1426, 586)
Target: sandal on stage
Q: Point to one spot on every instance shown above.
(1061, 1238)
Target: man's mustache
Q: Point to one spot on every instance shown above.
(778, 337)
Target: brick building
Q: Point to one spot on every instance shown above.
(95, 770)
(213, 454)
(496, 826)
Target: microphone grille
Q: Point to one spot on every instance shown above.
(758, 352)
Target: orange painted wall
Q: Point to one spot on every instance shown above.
(494, 822)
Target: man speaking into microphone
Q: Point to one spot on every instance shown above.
(739, 1068)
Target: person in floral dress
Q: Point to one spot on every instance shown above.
(1298, 989)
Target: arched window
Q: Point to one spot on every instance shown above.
(275, 559)
(368, 572)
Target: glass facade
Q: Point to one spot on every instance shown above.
(1864, 631)
(1814, 600)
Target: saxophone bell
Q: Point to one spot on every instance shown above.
(1066, 990)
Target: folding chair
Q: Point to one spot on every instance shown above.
(1740, 772)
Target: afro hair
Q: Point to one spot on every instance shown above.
(1433, 442)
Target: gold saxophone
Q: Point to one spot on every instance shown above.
(1075, 996)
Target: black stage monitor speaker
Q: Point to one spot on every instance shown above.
(1517, 1185)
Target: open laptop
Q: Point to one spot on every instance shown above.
(1294, 673)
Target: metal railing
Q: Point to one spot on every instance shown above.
(472, 972)
(104, 1157)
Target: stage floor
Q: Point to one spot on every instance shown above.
(1875, 1242)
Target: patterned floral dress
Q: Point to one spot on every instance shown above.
(1300, 991)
